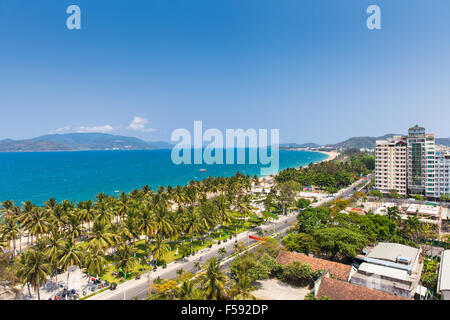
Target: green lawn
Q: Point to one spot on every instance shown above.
(142, 267)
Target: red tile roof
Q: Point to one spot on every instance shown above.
(340, 290)
(338, 270)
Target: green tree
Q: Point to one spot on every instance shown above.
(34, 269)
(340, 240)
(394, 213)
(243, 288)
(95, 262)
(125, 259)
(71, 255)
(213, 281)
(297, 273)
(300, 242)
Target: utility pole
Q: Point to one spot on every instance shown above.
(149, 290)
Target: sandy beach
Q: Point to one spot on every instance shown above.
(331, 155)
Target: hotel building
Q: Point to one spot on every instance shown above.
(391, 165)
(442, 172)
(412, 165)
(421, 149)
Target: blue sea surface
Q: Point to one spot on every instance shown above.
(79, 176)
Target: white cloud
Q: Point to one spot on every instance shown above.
(101, 129)
(140, 124)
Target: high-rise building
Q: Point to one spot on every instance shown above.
(391, 165)
(420, 162)
(413, 165)
(442, 172)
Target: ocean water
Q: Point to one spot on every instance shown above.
(79, 176)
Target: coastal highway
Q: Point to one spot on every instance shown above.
(138, 288)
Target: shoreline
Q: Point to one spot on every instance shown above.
(331, 156)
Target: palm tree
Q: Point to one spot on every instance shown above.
(190, 221)
(122, 206)
(75, 227)
(34, 269)
(38, 223)
(131, 228)
(179, 196)
(146, 224)
(163, 223)
(213, 281)
(101, 235)
(95, 262)
(222, 252)
(71, 255)
(223, 209)
(10, 231)
(189, 291)
(56, 213)
(9, 209)
(161, 248)
(125, 259)
(54, 244)
(25, 217)
(103, 212)
(414, 226)
(394, 213)
(243, 288)
(86, 211)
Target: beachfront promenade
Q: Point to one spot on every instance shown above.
(138, 288)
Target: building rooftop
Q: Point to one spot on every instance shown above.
(338, 270)
(340, 290)
(387, 272)
(390, 252)
(424, 210)
(444, 272)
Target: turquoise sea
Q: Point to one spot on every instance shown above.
(81, 175)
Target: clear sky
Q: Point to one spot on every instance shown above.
(310, 68)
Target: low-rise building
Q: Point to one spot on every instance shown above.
(340, 290)
(443, 287)
(390, 267)
(338, 270)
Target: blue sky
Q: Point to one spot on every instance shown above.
(309, 68)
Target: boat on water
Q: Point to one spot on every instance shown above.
(202, 170)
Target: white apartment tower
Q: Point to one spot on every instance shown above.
(391, 165)
(442, 172)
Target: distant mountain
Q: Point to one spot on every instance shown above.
(80, 141)
(443, 141)
(31, 145)
(360, 142)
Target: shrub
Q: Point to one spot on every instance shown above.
(297, 273)
(113, 286)
(271, 264)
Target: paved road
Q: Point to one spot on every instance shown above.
(138, 288)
